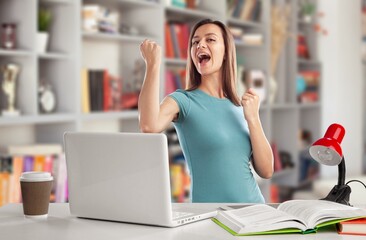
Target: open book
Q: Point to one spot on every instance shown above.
(303, 216)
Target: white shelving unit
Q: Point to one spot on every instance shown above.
(287, 115)
(71, 49)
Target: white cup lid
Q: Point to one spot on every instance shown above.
(36, 177)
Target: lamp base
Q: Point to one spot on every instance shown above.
(339, 194)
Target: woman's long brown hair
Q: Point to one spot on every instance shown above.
(228, 65)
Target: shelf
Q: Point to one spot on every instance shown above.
(308, 62)
(306, 182)
(241, 23)
(115, 37)
(20, 53)
(56, 1)
(176, 61)
(54, 56)
(37, 119)
(283, 173)
(304, 23)
(125, 114)
(190, 13)
(283, 106)
(309, 105)
(133, 3)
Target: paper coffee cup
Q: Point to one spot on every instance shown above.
(36, 190)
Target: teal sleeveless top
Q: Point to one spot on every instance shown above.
(214, 137)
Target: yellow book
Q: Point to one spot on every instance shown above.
(14, 188)
(85, 96)
(4, 188)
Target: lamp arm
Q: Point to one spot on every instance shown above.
(341, 173)
(340, 193)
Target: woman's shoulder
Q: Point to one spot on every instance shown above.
(182, 93)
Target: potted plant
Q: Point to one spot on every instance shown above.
(307, 11)
(44, 21)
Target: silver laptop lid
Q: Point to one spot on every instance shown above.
(119, 176)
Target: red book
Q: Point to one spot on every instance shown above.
(353, 227)
(169, 83)
(184, 40)
(107, 101)
(169, 50)
(276, 158)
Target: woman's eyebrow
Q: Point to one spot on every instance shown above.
(207, 34)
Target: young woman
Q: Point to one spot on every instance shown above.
(219, 133)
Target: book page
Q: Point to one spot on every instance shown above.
(258, 218)
(314, 212)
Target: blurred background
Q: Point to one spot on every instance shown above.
(75, 65)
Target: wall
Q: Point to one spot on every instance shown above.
(340, 54)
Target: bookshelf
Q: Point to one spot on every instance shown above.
(72, 49)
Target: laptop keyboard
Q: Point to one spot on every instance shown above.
(181, 214)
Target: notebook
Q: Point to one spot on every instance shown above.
(124, 177)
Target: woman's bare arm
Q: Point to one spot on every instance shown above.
(153, 116)
(262, 152)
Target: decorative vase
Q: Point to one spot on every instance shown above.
(42, 42)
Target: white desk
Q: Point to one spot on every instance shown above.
(61, 225)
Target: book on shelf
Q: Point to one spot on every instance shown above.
(169, 49)
(352, 227)
(277, 164)
(294, 216)
(34, 149)
(247, 10)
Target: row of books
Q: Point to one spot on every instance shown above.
(180, 180)
(179, 176)
(174, 80)
(176, 40)
(247, 10)
(103, 92)
(20, 158)
(309, 80)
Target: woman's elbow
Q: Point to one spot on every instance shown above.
(267, 174)
(145, 128)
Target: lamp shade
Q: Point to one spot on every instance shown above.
(327, 150)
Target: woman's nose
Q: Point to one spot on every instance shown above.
(200, 45)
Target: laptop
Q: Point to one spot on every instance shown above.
(124, 177)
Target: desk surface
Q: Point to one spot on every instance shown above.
(61, 225)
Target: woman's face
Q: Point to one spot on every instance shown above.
(208, 49)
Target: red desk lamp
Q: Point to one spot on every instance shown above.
(328, 151)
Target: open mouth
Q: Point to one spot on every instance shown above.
(203, 57)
